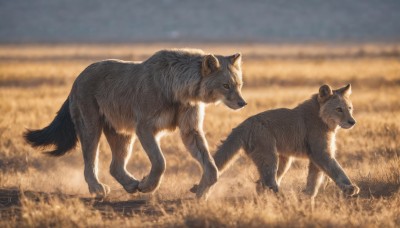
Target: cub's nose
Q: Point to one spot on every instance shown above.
(242, 103)
(351, 122)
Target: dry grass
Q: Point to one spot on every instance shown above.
(41, 191)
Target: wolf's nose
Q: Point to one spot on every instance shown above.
(242, 103)
(351, 122)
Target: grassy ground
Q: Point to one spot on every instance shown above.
(36, 190)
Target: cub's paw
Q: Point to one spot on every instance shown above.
(350, 190)
(99, 190)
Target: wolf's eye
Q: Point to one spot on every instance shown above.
(339, 109)
(226, 86)
(350, 108)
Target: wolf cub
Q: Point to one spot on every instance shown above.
(272, 138)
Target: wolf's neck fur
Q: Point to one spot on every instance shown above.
(182, 81)
(310, 112)
(186, 90)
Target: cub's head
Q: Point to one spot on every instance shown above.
(336, 108)
(222, 80)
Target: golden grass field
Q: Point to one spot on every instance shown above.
(40, 191)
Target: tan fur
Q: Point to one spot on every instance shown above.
(273, 137)
(128, 100)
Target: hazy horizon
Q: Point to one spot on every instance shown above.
(305, 21)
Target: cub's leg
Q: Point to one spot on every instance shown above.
(314, 180)
(283, 167)
(266, 160)
(89, 127)
(153, 151)
(121, 147)
(331, 167)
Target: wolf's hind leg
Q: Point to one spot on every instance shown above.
(283, 167)
(89, 131)
(121, 147)
(314, 180)
(158, 165)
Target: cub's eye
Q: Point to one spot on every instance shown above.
(339, 109)
(226, 86)
(350, 108)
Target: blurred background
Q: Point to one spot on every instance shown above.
(302, 21)
(290, 48)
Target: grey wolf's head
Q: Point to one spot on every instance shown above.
(222, 80)
(336, 108)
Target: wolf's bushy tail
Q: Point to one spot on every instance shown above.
(230, 147)
(60, 133)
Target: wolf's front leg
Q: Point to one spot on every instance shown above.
(332, 168)
(190, 125)
(197, 145)
(151, 147)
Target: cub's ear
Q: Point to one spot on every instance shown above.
(209, 65)
(325, 92)
(345, 91)
(236, 59)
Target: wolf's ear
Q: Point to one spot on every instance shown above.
(345, 91)
(325, 92)
(209, 65)
(236, 59)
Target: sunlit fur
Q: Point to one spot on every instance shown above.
(128, 100)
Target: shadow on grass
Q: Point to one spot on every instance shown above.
(11, 202)
(378, 188)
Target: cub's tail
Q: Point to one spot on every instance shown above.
(230, 147)
(60, 133)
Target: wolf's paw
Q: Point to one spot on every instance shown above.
(132, 187)
(350, 190)
(99, 190)
(261, 187)
(311, 191)
(202, 192)
(147, 185)
(211, 176)
(194, 188)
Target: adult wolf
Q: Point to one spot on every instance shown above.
(273, 137)
(126, 99)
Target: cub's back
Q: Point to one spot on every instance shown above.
(284, 126)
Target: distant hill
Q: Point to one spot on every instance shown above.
(285, 21)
